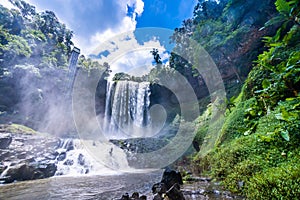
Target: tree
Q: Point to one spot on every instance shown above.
(156, 56)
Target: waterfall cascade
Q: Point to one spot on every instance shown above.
(127, 109)
(74, 158)
(126, 116)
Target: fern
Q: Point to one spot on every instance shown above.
(283, 7)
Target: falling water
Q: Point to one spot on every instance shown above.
(127, 109)
(73, 158)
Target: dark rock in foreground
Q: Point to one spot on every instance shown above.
(171, 177)
(169, 186)
(28, 171)
(134, 196)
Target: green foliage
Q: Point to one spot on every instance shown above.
(276, 76)
(121, 77)
(34, 53)
(202, 123)
(229, 32)
(14, 46)
(236, 161)
(282, 182)
(258, 152)
(38, 36)
(285, 7)
(235, 125)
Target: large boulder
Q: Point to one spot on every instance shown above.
(28, 171)
(169, 186)
(171, 177)
(17, 172)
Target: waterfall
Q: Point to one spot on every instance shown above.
(127, 109)
(73, 158)
(126, 116)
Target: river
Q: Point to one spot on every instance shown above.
(81, 187)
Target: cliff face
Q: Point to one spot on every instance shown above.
(243, 41)
(231, 33)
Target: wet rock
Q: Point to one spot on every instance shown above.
(26, 156)
(143, 197)
(169, 186)
(25, 171)
(69, 162)
(125, 197)
(2, 168)
(174, 193)
(159, 188)
(17, 172)
(61, 156)
(5, 141)
(48, 169)
(85, 171)
(4, 154)
(171, 177)
(194, 192)
(157, 197)
(135, 196)
(22, 155)
(50, 156)
(81, 159)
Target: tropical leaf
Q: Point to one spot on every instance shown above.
(283, 7)
(285, 135)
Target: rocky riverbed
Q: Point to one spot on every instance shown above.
(171, 187)
(26, 154)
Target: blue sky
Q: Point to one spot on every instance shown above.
(95, 22)
(165, 13)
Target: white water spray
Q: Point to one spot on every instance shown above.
(127, 109)
(75, 159)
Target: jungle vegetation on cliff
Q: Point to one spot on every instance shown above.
(257, 153)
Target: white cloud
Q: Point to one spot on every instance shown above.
(135, 63)
(127, 55)
(126, 24)
(139, 7)
(93, 21)
(6, 4)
